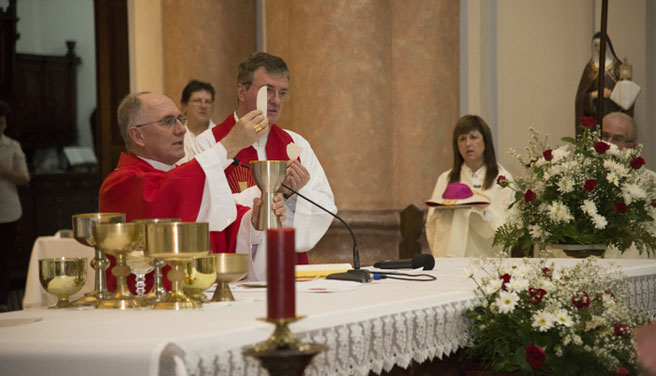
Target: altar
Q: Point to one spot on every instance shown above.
(367, 327)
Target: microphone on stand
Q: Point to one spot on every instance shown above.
(356, 274)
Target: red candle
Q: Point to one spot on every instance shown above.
(281, 275)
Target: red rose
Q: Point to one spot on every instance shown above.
(535, 295)
(547, 154)
(653, 202)
(622, 372)
(637, 163)
(621, 329)
(529, 196)
(590, 185)
(619, 207)
(535, 356)
(601, 147)
(546, 272)
(502, 181)
(581, 299)
(587, 121)
(506, 279)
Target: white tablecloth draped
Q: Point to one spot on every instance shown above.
(373, 327)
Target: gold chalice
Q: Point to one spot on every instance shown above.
(230, 267)
(268, 176)
(83, 233)
(119, 239)
(200, 275)
(177, 243)
(63, 277)
(140, 264)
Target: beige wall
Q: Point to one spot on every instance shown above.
(145, 45)
(374, 89)
(525, 59)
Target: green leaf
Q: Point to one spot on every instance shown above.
(568, 139)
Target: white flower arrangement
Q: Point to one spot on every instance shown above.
(573, 321)
(583, 192)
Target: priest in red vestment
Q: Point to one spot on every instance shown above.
(147, 184)
(304, 172)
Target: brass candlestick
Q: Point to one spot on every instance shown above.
(119, 239)
(269, 176)
(83, 232)
(283, 354)
(177, 243)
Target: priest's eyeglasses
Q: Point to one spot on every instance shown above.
(167, 122)
(271, 92)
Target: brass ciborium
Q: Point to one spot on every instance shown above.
(63, 277)
(119, 239)
(177, 243)
(83, 233)
(268, 176)
(139, 262)
(200, 275)
(230, 267)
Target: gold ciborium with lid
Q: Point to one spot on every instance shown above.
(177, 243)
(83, 232)
(119, 239)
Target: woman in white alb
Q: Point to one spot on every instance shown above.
(467, 231)
(13, 172)
(197, 103)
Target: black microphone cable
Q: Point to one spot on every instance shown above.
(404, 276)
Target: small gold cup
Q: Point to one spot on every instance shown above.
(119, 239)
(177, 243)
(83, 232)
(230, 267)
(200, 275)
(63, 277)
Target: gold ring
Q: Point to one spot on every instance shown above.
(258, 127)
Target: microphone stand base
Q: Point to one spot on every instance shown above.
(359, 275)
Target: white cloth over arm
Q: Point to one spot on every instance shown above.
(467, 232)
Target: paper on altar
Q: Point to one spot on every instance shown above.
(625, 93)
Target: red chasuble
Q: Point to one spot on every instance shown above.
(142, 191)
(240, 178)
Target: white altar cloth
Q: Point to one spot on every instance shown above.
(373, 327)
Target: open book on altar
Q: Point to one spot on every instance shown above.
(313, 271)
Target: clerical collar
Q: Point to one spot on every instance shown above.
(157, 164)
(260, 142)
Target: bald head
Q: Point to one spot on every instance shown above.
(620, 129)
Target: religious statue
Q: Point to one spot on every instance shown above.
(587, 102)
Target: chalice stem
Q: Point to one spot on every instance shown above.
(100, 263)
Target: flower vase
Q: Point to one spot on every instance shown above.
(582, 250)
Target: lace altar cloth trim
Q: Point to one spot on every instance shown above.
(375, 344)
(359, 347)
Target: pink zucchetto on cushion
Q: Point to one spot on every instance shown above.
(459, 194)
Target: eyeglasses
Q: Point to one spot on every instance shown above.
(271, 92)
(200, 101)
(167, 122)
